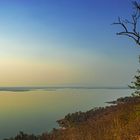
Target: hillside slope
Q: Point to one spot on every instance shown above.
(116, 122)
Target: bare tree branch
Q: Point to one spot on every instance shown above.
(120, 22)
(130, 27)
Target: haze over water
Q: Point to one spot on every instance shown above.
(37, 111)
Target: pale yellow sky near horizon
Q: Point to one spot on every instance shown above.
(47, 43)
(30, 64)
(29, 72)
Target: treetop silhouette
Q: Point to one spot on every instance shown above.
(130, 27)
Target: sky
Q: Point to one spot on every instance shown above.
(65, 42)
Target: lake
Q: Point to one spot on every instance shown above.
(36, 111)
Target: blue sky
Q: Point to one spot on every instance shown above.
(65, 42)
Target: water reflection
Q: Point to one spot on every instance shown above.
(37, 111)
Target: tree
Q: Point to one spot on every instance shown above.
(131, 29)
(136, 84)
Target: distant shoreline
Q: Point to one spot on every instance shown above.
(32, 88)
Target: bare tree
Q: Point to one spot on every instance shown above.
(130, 27)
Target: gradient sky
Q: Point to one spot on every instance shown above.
(65, 42)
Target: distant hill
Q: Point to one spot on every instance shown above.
(27, 88)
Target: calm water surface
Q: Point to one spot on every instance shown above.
(37, 111)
